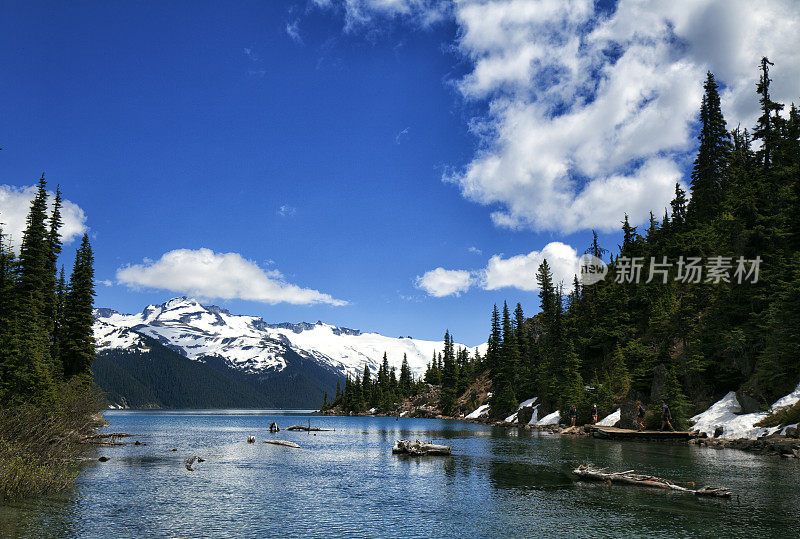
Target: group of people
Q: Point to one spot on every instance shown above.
(666, 415)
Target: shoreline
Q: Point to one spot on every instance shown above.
(773, 445)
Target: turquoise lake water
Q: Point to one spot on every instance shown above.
(347, 483)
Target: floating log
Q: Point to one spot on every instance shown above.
(615, 433)
(308, 429)
(639, 480)
(273, 427)
(282, 442)
(407, 447)
(109, 435)
(251, 439)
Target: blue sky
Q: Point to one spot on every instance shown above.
(351, 147)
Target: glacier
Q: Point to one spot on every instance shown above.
(250, 344)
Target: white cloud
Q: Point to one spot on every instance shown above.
(15, 203)
(251, 54)
(293, 31)
(591, 115)
(207, 274)
(401, 135)
(520, 271)
(514, 272)
(441, 282)
(475, 250)
(106, 282)
(286, 211)
(359, 13)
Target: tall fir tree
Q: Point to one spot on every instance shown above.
(77, 348)
(709, 170)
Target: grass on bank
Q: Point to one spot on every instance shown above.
(784, 416)
(40, 446)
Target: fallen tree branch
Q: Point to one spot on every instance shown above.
(649, 481)
(282, 442)
(308, 429)
(407, 447)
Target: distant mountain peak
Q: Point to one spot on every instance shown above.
(250, 344)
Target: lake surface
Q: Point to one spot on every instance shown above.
(348, 484)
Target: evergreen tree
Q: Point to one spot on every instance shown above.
(78, 345)
(449, 376)
(766, 129)
(678, 208)
(405, 377)
(709, 170)
(495, 341)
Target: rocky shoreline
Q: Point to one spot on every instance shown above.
(785, 446)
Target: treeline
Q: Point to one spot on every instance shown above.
(47, 399)
(664, 335)
(383, 391)
(675, 333)
(46, 322)
(454, 371)
(450, 369)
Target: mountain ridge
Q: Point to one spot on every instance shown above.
(250, 344)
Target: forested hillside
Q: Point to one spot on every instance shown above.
(153, 376)
(703, 300)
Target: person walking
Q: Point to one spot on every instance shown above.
(573, 415)
(639, 415)
(594, 414)
(666, 416)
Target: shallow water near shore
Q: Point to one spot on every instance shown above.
(348, 484)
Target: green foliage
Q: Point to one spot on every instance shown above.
(710, 337)
(784, 416)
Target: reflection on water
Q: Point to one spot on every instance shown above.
(347, 483)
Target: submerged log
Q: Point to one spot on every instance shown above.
(282, 442)
(407, 447)
(308, 429)
(640, 480)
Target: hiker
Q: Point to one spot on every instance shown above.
(573, 415)
(639, 415)
(666, 416)
(594, 414)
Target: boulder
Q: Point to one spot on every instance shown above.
(627, 417)
(748, 403)
(657, 389)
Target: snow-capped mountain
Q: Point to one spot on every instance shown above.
(250, 345)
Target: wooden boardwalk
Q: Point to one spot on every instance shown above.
(615, 433)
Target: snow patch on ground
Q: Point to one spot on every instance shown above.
(550, 419)
(524, 404)
(611, 419)
(534, 415)
(726, 413)
(481, 411)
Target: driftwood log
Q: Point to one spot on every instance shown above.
(407, 447)
(104, 439)
(282, 442)
(639, 480)
(273, 427)
(308, 429)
